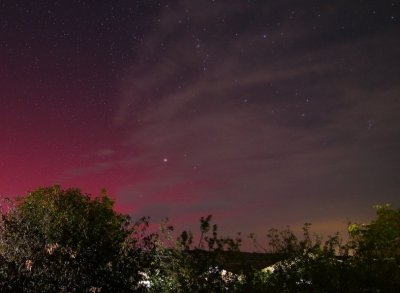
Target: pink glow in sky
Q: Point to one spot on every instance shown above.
(262, 114)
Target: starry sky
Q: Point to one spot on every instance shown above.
(262, 113)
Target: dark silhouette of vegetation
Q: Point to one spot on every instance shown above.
(55, 240)
(63, 241)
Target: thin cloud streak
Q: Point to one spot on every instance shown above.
(301, 113)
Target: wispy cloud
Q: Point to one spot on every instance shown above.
(268, 122)
(229, 114)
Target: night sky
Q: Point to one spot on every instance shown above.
(262, 113)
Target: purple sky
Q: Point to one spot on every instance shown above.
(262, 113)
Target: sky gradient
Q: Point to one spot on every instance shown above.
(262, 113)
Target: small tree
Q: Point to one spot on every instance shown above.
(379, 239)
(64, 241)
(376, 249)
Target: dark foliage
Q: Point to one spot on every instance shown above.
(64, 241)
(56, 240)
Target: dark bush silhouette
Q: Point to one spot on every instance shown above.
(55, 240)
(64, 241)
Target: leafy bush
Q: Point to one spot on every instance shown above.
(62, 240)
(56, 240)
(369, 262)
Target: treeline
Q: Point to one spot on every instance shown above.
(55, 240)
